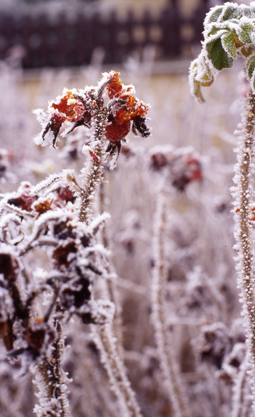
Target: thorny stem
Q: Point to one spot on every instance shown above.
(95, 175)
(53, 379)
(112, 290)
(244, 170)
(168, 362)
(116, 370)
(102, 204)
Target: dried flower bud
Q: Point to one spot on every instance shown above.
(62, 252)
(23, 201)
(114, 132)
(66, 194)
(75, 293)
(38, 337)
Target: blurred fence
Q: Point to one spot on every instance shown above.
(63, 42)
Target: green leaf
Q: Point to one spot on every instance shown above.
(205, 74)
(213, 31)
(230, 12)
(195, 85)
(228, 44)
(253, 84)
(250, 66)
(245, 52)
(247, 11)
(218, 56)
(213, 15)
(245, 33)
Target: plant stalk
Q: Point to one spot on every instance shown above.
(93, 172)
(242, 192)
(166, 351)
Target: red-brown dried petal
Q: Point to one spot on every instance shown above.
(24, 201)
(115, 132)
(66, 194)
(73, 111)
(114, 87)
(43, 206)
(60, 254)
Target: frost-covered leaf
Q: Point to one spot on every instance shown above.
(195, 85)
(228, 44)
(231, 11)
(218, 55)
(213, 15)
(247, 11)
(213, 31)
(250, 66)
(250, 71)
(245, 32)
(197, 91)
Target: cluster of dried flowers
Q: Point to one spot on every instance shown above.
(119, 109)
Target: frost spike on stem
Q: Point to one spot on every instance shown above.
(168, 363)
(243, 190)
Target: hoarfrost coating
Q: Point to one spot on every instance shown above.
(229, 33)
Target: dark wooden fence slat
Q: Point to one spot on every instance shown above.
(63, 43)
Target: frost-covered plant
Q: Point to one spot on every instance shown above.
(178, 167)
(37, 301)
(230, 33)
(110, 111)
(49, 254)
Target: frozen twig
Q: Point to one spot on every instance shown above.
(239, 393)
(116, 371)
(168, 363)
(51, 380)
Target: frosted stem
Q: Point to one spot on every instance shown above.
(111, 288)
(116, 371)
(243, 190)
(239, 391)
(93, 172)
(51, 381)
(166, 353)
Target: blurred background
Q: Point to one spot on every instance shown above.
(61, 33)
(46, 45)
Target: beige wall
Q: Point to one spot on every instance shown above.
(155, 6)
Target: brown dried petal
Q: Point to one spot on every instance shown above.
(37, 334)
(60, 254)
